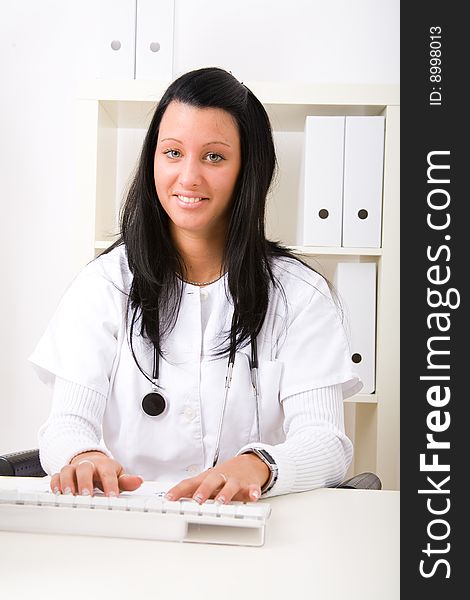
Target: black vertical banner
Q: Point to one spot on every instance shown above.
(435, 238)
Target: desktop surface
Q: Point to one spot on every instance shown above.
(325, 544)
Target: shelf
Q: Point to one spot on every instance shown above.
(332, 251)
(363, 399)
(113, 120)
(130, 104)
(305, 250)
(290, 93)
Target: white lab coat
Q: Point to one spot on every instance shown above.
(298, 350)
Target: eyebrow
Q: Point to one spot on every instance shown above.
(208, 143)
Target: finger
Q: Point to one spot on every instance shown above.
(254, 493)
(84, 472)
(228, 492)
(106, 477)
(55, 483)
(250, 493)
(129, 483)
(185, 488)
(213, 481)
(67, 480)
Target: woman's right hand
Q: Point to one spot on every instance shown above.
(93, 469)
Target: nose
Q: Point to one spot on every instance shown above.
(190, 175)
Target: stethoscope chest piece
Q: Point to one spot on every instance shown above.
(154, 404)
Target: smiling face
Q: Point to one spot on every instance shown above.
(197, 162)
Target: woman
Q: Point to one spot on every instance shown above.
(154, 347)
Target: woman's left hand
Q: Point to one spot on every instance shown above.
(240, 478)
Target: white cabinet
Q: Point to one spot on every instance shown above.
(135, 39)
(112, 120)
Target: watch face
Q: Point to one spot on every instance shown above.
(267, 457)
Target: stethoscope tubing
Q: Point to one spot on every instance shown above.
(156, 391)
(228, 382)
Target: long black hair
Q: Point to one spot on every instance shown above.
(154, 261)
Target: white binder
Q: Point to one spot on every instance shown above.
(363, 175)
(116, 40)
(154, 40)
(322, 181)
(356, 286)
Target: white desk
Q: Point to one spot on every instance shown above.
(326, 544)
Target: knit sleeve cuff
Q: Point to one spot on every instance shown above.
(73, 426)
(316, 452)
(64, 451)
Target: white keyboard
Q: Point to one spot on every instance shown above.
(148, 517)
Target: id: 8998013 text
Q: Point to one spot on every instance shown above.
(435, 68)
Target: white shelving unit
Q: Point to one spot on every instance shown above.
(112, 117)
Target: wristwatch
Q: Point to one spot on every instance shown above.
(269, 461)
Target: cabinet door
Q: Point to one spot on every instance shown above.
(154, 42)
(116, 42)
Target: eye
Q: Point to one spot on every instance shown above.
(213, 157)
(172, 153)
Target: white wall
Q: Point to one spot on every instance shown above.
(46, 46)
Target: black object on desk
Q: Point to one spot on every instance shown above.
(22, 464)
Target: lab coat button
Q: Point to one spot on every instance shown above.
(189, 413)
(204, 294)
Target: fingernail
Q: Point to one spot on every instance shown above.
(198, 498)
(85, 492)
(112, 495)
(255, 494)
(141, 478)
(220, 500)
(67, 491)
(169, 496)
(56, 491)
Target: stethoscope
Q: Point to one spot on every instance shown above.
(155, 404)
